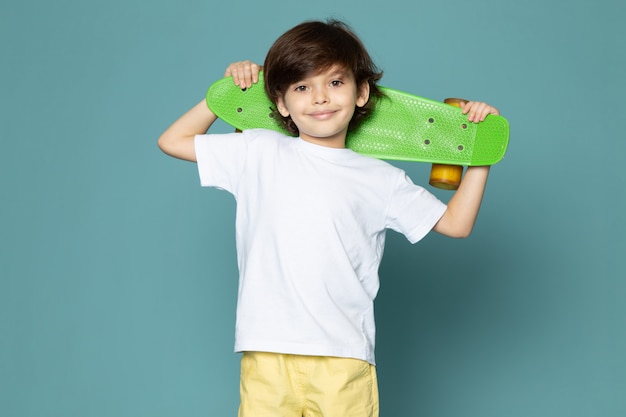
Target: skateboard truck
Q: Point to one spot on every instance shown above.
(447, 177)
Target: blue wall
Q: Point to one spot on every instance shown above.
(118, 273)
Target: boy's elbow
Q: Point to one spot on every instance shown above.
(167, 144)
(464, 230)
(459, 233)
(181, 148)
(162, 142)
(454, 229)
(464, 234)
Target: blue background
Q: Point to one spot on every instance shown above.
(118, 272)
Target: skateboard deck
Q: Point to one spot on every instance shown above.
(402, 126)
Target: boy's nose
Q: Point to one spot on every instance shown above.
(320, 96)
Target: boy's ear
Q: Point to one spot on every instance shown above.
(282, 109)
(363, 94)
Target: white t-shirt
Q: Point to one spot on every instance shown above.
(310, 232)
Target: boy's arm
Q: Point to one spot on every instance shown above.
(178, 139)
(460, 216)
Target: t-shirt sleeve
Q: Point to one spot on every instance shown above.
(221, 159)
(413, 210)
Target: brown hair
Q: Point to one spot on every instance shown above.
(310, 48)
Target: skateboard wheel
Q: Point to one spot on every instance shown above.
(445, 177)
(456, 102)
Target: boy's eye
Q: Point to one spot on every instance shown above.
(300, 88)
(336, 83)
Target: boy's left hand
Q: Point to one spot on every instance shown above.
(477, 111)
(244, 73)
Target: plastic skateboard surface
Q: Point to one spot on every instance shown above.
(402, 126)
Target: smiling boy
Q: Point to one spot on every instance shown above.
(311, 222)
(322, 105)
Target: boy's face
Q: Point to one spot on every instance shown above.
(322, 105)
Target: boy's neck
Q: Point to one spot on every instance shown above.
(338, 141)
(327, 144)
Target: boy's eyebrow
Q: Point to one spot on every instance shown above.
(337, 72)
(340, 73)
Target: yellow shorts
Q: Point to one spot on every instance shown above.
(274, 385)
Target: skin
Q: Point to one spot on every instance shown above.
(321, 105)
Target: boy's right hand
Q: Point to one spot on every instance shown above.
(477, 111)
(244, 73)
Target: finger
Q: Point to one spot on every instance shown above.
(480, 112)
(470, 110)
(476, 112)
(231, 71)
(493, 110)
(237, 71)
(485, 110)
(244, 73)
(252, 72)
(248, 73)
(239, 74)
(255, 68)
(463, 106)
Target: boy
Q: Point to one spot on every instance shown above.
(311, 221)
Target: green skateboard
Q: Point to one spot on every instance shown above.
(402, 126)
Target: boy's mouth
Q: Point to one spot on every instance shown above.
(323, 114)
